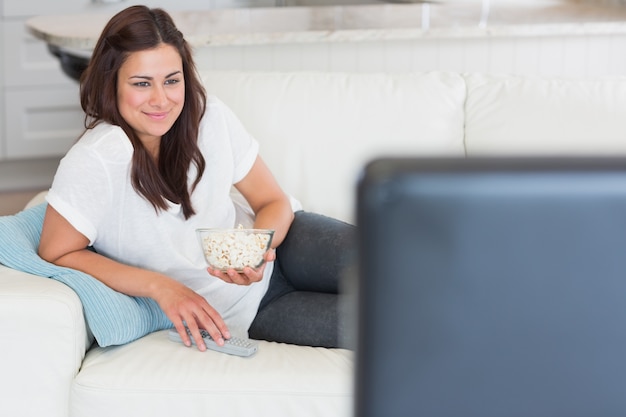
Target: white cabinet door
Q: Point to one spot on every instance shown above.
(41, 113)
(27, 61)
(41, 122)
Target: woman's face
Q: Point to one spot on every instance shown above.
(151, 92)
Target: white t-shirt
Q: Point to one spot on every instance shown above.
(93, 191)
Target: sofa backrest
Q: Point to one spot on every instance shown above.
(318, 130)
(512, 115)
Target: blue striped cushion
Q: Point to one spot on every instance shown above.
(114, 318)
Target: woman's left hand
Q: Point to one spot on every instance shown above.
(248, 275)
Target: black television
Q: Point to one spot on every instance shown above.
(491, 287)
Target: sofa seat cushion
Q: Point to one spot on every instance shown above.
(154, 376)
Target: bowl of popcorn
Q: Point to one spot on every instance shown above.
(237, 248)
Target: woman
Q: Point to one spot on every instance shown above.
(158, 159)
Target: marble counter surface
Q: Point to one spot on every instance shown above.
(246, 26)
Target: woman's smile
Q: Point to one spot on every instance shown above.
(157, 116)
(151, 92)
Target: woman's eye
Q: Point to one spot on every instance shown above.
(142, 84)
(172, 81)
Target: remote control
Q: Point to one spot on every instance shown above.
(233, 346)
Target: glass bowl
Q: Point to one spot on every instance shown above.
(226, 249)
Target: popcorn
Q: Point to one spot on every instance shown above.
(236, 248)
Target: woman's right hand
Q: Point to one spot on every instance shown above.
(183, 306)
(60, 243)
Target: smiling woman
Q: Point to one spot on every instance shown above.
(143, 47)
(158, 160)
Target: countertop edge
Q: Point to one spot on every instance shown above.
(330, 31)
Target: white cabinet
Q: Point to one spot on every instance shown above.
(41, 104)
(42, 123)
(41, 114)
(26, 60)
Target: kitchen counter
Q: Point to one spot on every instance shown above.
(445, 19)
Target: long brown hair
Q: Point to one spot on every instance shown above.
(139, 28)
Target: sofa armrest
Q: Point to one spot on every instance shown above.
(44, 340)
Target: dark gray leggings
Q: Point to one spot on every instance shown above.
(301, 305)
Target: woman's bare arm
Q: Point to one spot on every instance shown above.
(272, 211)
(63, 245)
(268, 201)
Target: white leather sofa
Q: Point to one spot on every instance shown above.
(317, 130)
